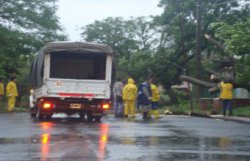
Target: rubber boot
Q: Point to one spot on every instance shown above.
(145, 116)
(156, 114)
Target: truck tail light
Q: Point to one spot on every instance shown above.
(105, 106)
(47, 105)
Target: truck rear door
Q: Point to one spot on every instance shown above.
(78, 74)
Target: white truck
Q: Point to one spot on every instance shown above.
(71, 77)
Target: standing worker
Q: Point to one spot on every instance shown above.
(1, 91)
(117, 93)
(226, 96)
(11, 93)
(129, 93)
(144, 97)
(154, 101)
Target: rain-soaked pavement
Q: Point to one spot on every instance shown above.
(172, 138)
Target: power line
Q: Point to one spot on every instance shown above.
(218, 4)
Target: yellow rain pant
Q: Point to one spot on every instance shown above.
(129, 108)
(154, 112)
(11, 103)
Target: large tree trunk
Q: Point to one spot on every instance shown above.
(197, 81)
(213, 87)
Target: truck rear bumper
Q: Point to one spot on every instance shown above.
(71, 106)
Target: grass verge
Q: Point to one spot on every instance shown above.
(242, 111)
(184, 108)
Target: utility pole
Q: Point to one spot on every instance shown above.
(198, 48)
(189, 94)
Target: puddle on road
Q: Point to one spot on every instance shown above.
(150, 148)
(101, 145)
(47, 147)
(37, 139)
(185, 142)
(64, 147)
(178, 148)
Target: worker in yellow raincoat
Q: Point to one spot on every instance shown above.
(1, 91)
(129, 93)
(154, 101)
(11, 93)
(226, 97)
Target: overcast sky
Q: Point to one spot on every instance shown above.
(75, 14)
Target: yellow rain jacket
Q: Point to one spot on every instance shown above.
(1, 89)
(155, 93)
(129, 92)
(11, 89)
(226, 90)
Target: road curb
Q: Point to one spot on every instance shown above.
(221, 117)
(232, 118)
(199, 115)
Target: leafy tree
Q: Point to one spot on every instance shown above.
(112, 32)
(25, 26)
(236, 38)
(179, 19)
(164, 45)
(128, 38)
(178, 23)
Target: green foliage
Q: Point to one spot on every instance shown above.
(179, 19)
(181, 108)
(164, 100)
(112, 32)
(184, 107)
(25, 26)
(132, 41)
(165, 45)
(242, 111)
(236, 38)
(242, 71)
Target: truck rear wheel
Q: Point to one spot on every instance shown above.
(32, 115)
(39, 115)
(48, 116)
(33, 111)
(98, 118)
(90, 117)
(82, 115)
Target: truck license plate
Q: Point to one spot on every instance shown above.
(75, 106)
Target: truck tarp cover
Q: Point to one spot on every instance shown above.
(36, 71)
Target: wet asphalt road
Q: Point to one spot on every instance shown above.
(172, 138)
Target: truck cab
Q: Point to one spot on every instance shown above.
(71, 77)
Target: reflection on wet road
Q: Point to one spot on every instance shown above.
(173, 138)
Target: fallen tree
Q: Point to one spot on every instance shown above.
(224, 70)
(213, 87)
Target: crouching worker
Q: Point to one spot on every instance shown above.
(129, 93)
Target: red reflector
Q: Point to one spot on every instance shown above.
(76, 95)
(47, 105)
(105, 106)
(69, 94)
(88, 95)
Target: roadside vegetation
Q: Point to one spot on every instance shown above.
(184, 108)
(163, 45)
(242, 111)
(181, 108)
